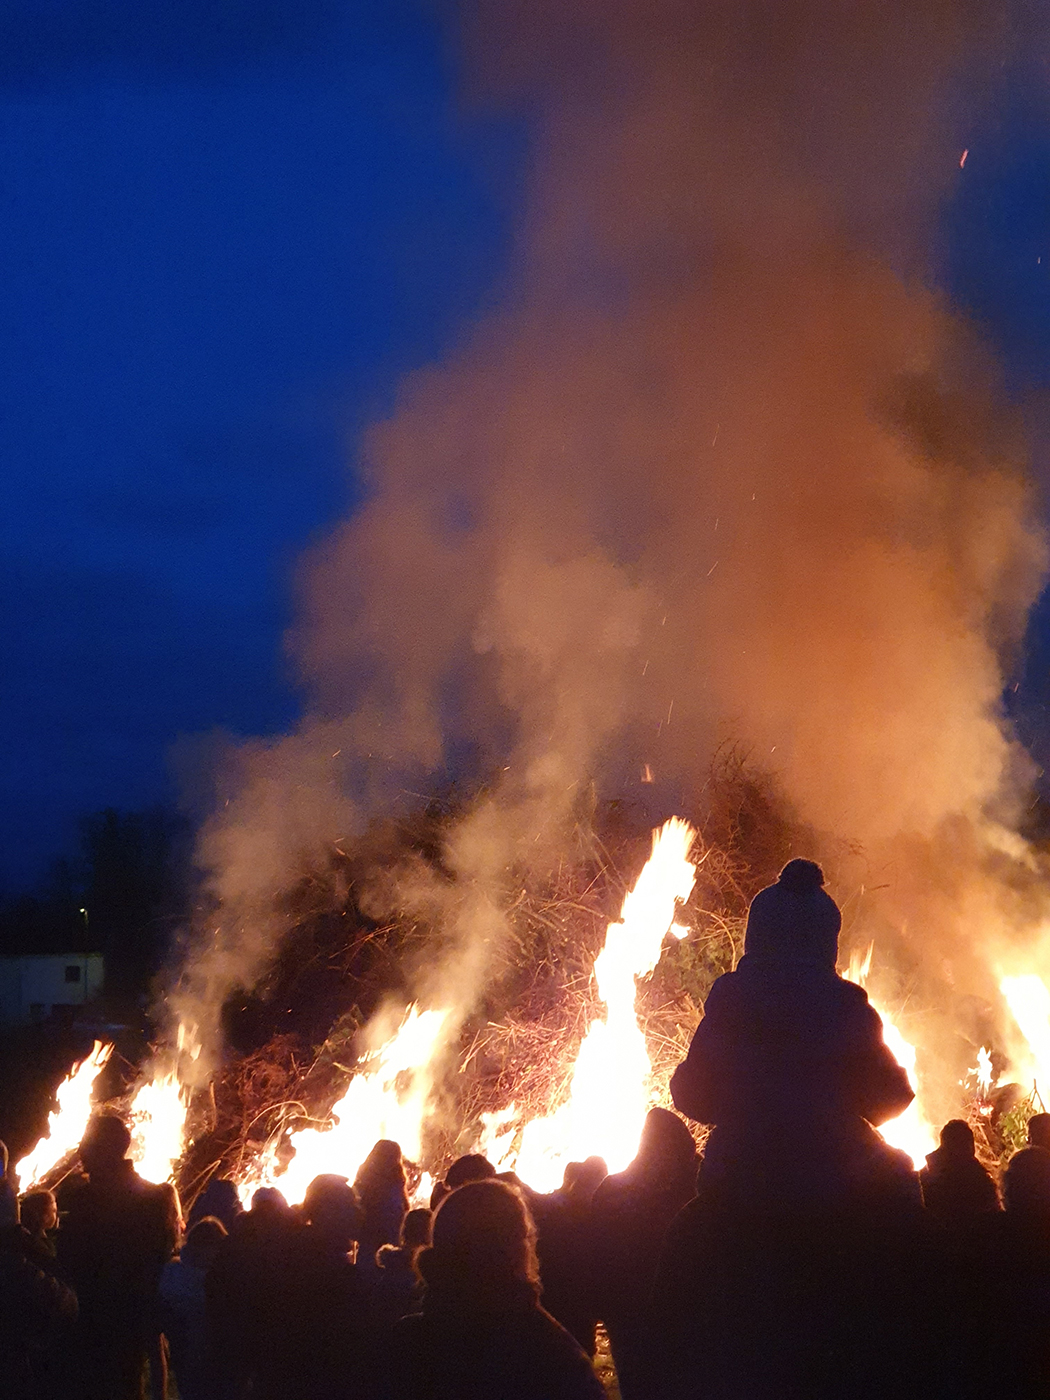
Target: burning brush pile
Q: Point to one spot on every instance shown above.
(590, 1009)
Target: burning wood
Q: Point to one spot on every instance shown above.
(66, 1123)
(610, 1090)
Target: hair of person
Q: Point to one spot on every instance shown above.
(484, 1249)
(384, 1166)
(106, 1137)
(34, 1208)
(1026, 1183)
(471, 1167)
(203, 1240)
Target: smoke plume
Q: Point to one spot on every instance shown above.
(723, 462)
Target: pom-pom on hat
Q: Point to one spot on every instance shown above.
(795, 920)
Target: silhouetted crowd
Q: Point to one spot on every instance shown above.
(801, 1258)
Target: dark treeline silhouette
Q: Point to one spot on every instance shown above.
(799, 1258)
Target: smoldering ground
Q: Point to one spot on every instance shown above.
(722, 461)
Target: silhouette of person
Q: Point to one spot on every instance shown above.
(383, 1194)
(956, 1189)
(317, 1314)
(240, 1290)
(631, 1213)
(36, 1312)
(220, 1200)
(118, 1233)
(796, 1269)
(183, 1309)
(789, 1064)
(39, 1217)
(1039, 1130)
(398, 1288)
(565, 1245)
(1017, 1314)
(482, 1333)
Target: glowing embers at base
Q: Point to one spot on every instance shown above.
(388, 1098)
(66, 1123)
(610, 1089)
(912, 1131)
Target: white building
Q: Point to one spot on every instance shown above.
(35, 988)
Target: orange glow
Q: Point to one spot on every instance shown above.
(66, 1124)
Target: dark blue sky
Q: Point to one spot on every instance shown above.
(225, 232)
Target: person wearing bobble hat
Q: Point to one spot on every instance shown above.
(794, 1271)
(789, 1065)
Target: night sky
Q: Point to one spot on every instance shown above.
(227, 231)
(222, 243)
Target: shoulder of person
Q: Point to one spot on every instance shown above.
(562, 1352)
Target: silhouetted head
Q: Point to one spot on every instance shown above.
(483, 1255)
(332, 1208)
(202, 1243)
(382, 1168)
(957, 1142)
(1026, 1185)
(1039, 1130)
(39, 1212)
(582, 1179)
(472, 1167)
(416, 1229)
(795, 920)
(105, 1144)
(666, 1150)
(218, 1199)
(267, 1200)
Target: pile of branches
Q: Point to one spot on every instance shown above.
(296, 1039)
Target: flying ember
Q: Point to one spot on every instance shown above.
(66, 1123)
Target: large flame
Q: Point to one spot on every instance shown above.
(388, 1099)
(1029, 1002)
(610, 1089)
(66, 1124)
(912, 1131)
(157, 1117)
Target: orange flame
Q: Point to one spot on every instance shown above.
(389, 1099)
(1029, 1002)
(157, 1117)
(66, 1124)
(912, 1131)
(610, 1090)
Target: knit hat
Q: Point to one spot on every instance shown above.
(795, 920)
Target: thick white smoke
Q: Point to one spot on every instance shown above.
(725, 464)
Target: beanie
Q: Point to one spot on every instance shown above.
(795, 920)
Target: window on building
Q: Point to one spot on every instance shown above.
(72, 972)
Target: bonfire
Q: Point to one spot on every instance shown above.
(573, 1079)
